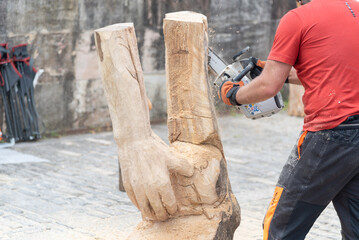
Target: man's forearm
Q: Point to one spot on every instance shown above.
(265, 85)
(256, 91)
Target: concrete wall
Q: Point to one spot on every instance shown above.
(60, 37)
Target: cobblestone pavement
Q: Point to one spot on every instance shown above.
(67, 188)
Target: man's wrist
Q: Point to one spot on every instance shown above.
(233, 97)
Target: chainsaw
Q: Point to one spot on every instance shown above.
(244, 70)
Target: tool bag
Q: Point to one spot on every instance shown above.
(24, 64)
(17, 94)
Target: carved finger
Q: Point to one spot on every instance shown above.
(180, 165)
(157, 206)
(169, 199)
(132, 196)
(144, 206)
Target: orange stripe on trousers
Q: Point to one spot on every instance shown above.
(300, 142)
(273, 205)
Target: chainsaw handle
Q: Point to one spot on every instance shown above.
(235, 57)
(244, 72)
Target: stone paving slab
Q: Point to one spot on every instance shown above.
(73, 193)
(9, 156)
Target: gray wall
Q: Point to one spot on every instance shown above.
(60, 37)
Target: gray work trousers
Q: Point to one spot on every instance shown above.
(324, 168)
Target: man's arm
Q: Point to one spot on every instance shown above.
(265, 85)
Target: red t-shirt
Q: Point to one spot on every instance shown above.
(321, 41)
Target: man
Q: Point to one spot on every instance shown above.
(320, 40)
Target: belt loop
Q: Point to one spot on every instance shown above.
(300, 142)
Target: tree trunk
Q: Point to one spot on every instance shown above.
(206, 207)
(295, 105)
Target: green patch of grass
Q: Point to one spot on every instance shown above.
(54, 134)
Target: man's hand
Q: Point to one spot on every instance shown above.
(146, 167)
(227, 92)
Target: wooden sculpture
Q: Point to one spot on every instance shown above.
(295, 103)
(182, 190)
(296, 92)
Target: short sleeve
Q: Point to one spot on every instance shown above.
(287, 39)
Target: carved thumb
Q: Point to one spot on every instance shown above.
(180, 165)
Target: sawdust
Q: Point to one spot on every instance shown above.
(192, 227)
(184, 228)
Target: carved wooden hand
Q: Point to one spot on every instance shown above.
(146, 166)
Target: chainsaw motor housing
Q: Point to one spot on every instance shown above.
(229, 72)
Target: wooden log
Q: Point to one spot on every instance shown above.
(192, 124)
(295, 103)
(198, 203)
